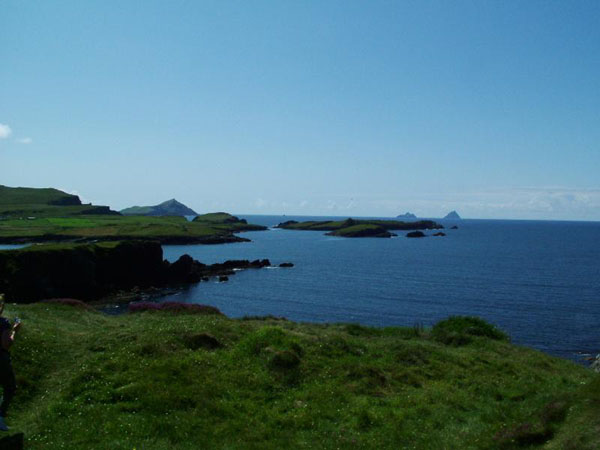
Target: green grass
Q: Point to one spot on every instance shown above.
(34, 196)
(344, 224)
(116, 227)
(87, 380)
(359, 230)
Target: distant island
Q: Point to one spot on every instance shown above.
(452, 215)
(406, 216)
(169, 208)
(354, 228)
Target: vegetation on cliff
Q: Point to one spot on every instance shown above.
(158, 380)
(226, 221)
(362, 230)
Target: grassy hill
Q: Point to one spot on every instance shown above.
(168, 208)
(40, 215)
(48, 196)
(24, 202)
(159, 380)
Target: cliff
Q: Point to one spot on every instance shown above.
(92, 271)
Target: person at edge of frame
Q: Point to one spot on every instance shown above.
(7, 375)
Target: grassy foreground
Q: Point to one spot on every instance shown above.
(159, 380)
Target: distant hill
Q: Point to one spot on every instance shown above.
(44, 202)
(35, 196)
(169, 208)
(452, 215)
(406, 216)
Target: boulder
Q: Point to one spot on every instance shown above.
(223, 278)
(440, 234)
(415, 234)
(595, 366)
(286, 264)
(454, 227)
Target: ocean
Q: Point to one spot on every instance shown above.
(537, 280)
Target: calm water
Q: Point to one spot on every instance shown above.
(539, 281)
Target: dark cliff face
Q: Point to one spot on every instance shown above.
(93, 271)
(80, 271)
(67, 200)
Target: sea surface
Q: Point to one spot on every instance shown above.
(537, 280)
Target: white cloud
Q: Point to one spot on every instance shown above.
(25, 140)
(5, 131)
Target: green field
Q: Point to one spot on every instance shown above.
(166, 229)
(165, 381)
(40, 215)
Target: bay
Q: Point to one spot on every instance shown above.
(537, 280)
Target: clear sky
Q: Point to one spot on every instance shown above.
(491, 108)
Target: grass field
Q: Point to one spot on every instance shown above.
(162, 381)
(117, 227)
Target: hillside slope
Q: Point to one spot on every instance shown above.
(44, 202)
(168, 208)
(161, 380)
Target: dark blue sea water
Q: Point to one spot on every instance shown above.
(538, 280)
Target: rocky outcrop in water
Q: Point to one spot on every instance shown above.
(415, 234)
(93, 271)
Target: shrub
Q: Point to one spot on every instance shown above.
(459, 330)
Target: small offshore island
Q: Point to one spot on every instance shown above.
(353, 228)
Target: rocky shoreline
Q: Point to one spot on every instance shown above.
(91, 272)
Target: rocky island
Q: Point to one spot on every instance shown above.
(168, 208)
(452, 215)
(354, 228)
(407, 216)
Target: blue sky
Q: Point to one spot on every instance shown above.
(324, 107)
